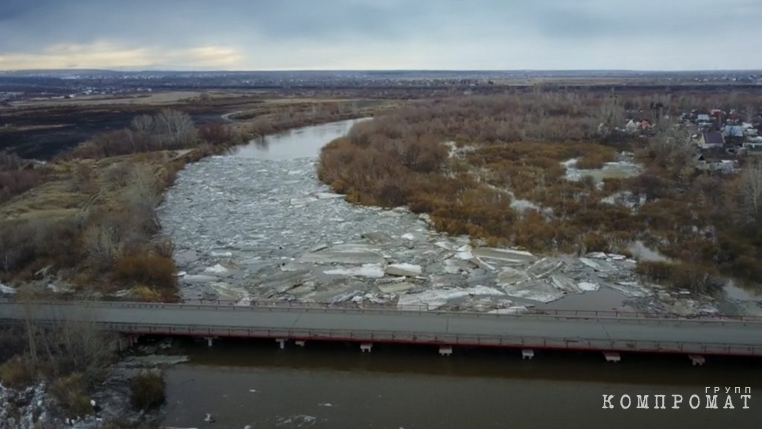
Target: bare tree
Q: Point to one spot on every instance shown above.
(672, 147)
(143, 124)
(102, 243)
(749, 114)
(751, 189)
(176, 127)
(142, 196)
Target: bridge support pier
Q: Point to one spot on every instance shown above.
(209, 341)
(300, 343)
(366, 347)
(125, 341)
(527, 354)
(281, 342)
(697, 360)
(445, 350)
(612, 356)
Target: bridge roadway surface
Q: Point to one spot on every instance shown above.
(721, 337)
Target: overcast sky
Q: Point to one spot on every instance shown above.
(381, 34)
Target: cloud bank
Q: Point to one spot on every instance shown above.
(380, 34)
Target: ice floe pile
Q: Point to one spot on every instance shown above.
(248, 229)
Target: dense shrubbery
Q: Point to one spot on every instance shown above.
(112, 240)
(18, 176)
(695, 278)
(402, 159)
(71, 393)
(16, 373)
(70, 357)
(151, 270)
(505, 148)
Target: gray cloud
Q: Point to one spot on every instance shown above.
(273, 34)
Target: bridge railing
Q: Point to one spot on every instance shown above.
(626, 314)
(382, 336)
(384, 307)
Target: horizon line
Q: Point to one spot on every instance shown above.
(171, 70)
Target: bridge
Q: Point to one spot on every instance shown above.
(608, 332)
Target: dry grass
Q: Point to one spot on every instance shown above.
(88, 219)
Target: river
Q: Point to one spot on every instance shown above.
(336, 386)
(252, 383)
(303, 142)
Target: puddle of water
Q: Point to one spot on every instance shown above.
(610, 170)
(298, 143)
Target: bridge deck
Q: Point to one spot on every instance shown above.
(528, 331)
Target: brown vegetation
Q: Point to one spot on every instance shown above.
(511, 147)
(71, 357)
(682, 276)
(18, 176)
(16, 373)
(167, 130)
(88, 217)
(70, 392)
(147, 391)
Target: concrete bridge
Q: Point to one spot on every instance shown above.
(607, 332)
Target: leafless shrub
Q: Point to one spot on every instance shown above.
(70, 392)
(141, 197)
(16, 373)
(147, 390)
(119, 173)
(83, 178)
(102, 244)
(163, 246)
(751, 190)
(216, 134)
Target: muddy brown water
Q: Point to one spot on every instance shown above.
(334, 385)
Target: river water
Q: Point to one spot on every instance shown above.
(296, 143)
(252, 383)
(336, 386)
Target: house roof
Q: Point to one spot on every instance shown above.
(733, 130)
(713, 137)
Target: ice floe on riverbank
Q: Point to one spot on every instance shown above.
(248, 229)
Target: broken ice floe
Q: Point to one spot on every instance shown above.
(433, 299)
(248, 229)
(403, 270)
(366, 270)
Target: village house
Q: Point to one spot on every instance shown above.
(736, 131)
(711, 140)
(723, 166)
